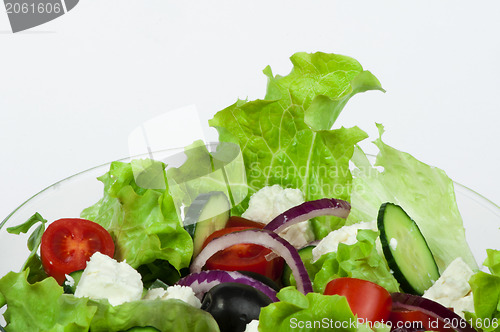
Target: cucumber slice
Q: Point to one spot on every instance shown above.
(76, 276)
(306, 255)
(208, 213)
(406, 250)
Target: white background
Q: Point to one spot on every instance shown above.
(72, 90)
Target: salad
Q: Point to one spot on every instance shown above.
(285, 226)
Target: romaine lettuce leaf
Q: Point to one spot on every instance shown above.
(286, 139)
(165, 315)
(142, 222)
(426, 193)
(42, 306)
(359, 260)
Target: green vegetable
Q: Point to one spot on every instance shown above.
(42, 306)
(159, 270)
(306, 255)
(359, 260)
(143, 222)
(208, 213)
(411, 260)
(286, 139)
(311, 312)
(486, 291)
(76, 276)
(424, 192)
(33, 263)
(204, 172)
(165, 315)
(142, 329)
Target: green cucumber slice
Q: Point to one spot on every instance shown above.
(208, 213)
(406, 250)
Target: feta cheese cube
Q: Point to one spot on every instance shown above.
(271, 201)
(346, 235)
(253, 326)
(105, 278)
(183, 293)
(154, 293)
(452, 289)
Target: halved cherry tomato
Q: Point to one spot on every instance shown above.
(366, 299)
(416, 320)
(67, 245)
(244, 257)
(235, 221)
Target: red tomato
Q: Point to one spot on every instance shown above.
(414, 319)
(366, 299)
(235, 221)
(244, 257)
(67, 245)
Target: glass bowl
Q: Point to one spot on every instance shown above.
(68, 197)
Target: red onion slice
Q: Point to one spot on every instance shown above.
(308, 210)
(203, 281)
(266, 239)
(431, 308)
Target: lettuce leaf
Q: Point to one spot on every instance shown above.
(165, 315)
(33, 263)
(286, 139)
(142, 222)
(486, 291)
(311, 312)
(359, 260)
(206, 171)
(426, 193)
(42, 306)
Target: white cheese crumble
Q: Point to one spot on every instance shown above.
(105, 278)
(70, 282)
(183, 293)
(154, 293)
(346, 235)
(253, 326)
(393, 243)
(452, 289)
(271, 201)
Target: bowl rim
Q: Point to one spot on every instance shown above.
(492, 206)
(124, 159)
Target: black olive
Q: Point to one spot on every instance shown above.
(234, 305)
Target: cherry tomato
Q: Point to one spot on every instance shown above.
(67, 245)
(366, 299)
(416, 320)
(244, 257)
(235, 221)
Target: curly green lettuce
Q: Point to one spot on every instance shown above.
(143, 223)
(42, 306)
(312, 312)
(359, 260)
(164, 315)
(486, 291)
(286, 138)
